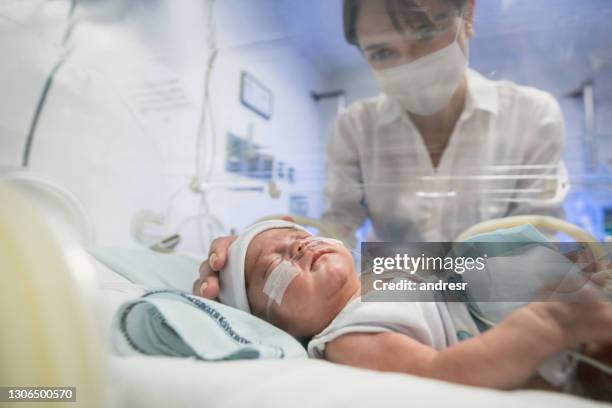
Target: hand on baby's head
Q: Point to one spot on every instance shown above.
(278, 271)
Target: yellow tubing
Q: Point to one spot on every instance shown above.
(548, 223)
(47, 335)
(541, 222)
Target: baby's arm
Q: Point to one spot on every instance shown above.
(504, 357)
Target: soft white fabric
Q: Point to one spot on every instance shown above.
(151, 269)
(112, 291)
(172, 382)
(231, 278)
(435, 324)
(164, 381)
(379, 166)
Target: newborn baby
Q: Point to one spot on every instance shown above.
(277, 270)
(307, 286)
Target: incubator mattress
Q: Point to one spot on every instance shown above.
(164, 382)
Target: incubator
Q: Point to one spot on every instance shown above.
(159, 126)
(248, 113)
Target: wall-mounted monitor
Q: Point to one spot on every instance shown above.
(256, 96)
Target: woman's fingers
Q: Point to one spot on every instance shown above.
(207, 285)
(209, 288)
(217, 256)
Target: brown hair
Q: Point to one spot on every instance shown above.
(352, 8)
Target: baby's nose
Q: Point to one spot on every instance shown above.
(299, 246)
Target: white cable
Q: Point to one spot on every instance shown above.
(206, 138)
(206, 109)
(591, 361)
(170, 207)
(212, 127)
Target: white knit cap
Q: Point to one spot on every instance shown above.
(231, 277)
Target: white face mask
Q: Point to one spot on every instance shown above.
(425, 86)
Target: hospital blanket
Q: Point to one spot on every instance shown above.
(150, 269)
(174, 323)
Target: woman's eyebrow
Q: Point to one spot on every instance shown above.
(441, 16)
(372, 47)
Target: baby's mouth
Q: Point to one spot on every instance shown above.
(318, 255)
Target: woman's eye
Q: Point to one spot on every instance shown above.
(381, 55)
(427, 34)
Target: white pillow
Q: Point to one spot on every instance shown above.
(149, 269)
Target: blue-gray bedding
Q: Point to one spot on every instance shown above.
(174, 323)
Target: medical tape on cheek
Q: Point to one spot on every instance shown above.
(278, 282)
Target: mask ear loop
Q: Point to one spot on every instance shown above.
(461, 23)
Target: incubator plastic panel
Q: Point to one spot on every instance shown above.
(141, 110)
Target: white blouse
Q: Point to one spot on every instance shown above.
(502, 159)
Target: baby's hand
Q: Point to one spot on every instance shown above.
(578, 310)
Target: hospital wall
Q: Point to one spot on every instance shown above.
(292, 134)
(120, 123)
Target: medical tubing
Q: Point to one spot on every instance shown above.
(27, 150)
(206, 119)
(203, 139)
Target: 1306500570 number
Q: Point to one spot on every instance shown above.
(14, 394)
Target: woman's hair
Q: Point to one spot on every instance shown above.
(352, 8)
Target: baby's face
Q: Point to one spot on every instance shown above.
(324, 283)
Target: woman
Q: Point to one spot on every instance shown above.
(442, 148)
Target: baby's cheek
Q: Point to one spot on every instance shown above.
(333, 278)
(298, 288)
(301, 294)
(257, 301)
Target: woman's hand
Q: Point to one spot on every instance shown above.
(207, 285)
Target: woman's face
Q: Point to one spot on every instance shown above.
(324, 283)
(419, 28)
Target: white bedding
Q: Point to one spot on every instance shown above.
(302, 383)
(171, 382)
